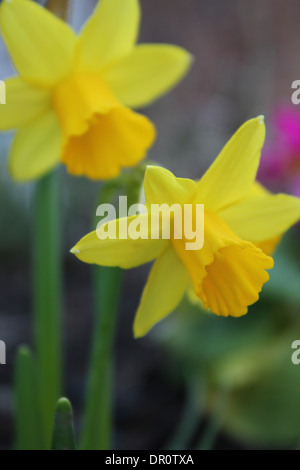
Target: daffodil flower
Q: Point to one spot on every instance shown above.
(71, 102)
(241, 220)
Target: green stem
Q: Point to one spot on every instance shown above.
(107, 284)
(97, 422)
(47, 298)
(27, 424)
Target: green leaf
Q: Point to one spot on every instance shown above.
(27, 424)
(252, 356)
(47, 297)
(63, 429)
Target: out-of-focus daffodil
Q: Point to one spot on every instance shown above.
(72, 99)
(227, 274)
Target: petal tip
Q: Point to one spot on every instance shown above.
(149, 170)
(139, 329)
(136, 332)
(190, 58)
(74, 251)
(7, 3)
(261, 119)
(150, 167)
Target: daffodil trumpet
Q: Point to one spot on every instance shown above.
(243, 223)
(73, 100)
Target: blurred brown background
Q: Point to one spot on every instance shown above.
(246, 57)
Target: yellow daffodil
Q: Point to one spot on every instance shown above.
(71, 102)
(241, 220)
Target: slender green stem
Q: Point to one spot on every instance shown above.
(47, 298)
(97, 422)
(27, 424)
(209, 437)
(189, 421)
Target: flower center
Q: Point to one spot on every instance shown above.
(100, 136)
(227, 273)
(78, 98)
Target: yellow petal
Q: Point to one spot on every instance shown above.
(113, 141)
(122, 251)
(36, 148)
(41, 45)
(23, 103)
(164, 290)
(267, 246)
(147, 73)
(257, 189)
(270, 245)
(264, 217)
(109, 34)
(233, 173)
(162, 187)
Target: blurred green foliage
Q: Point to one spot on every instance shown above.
(250, 355)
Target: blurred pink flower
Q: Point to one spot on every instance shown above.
(280, 163)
